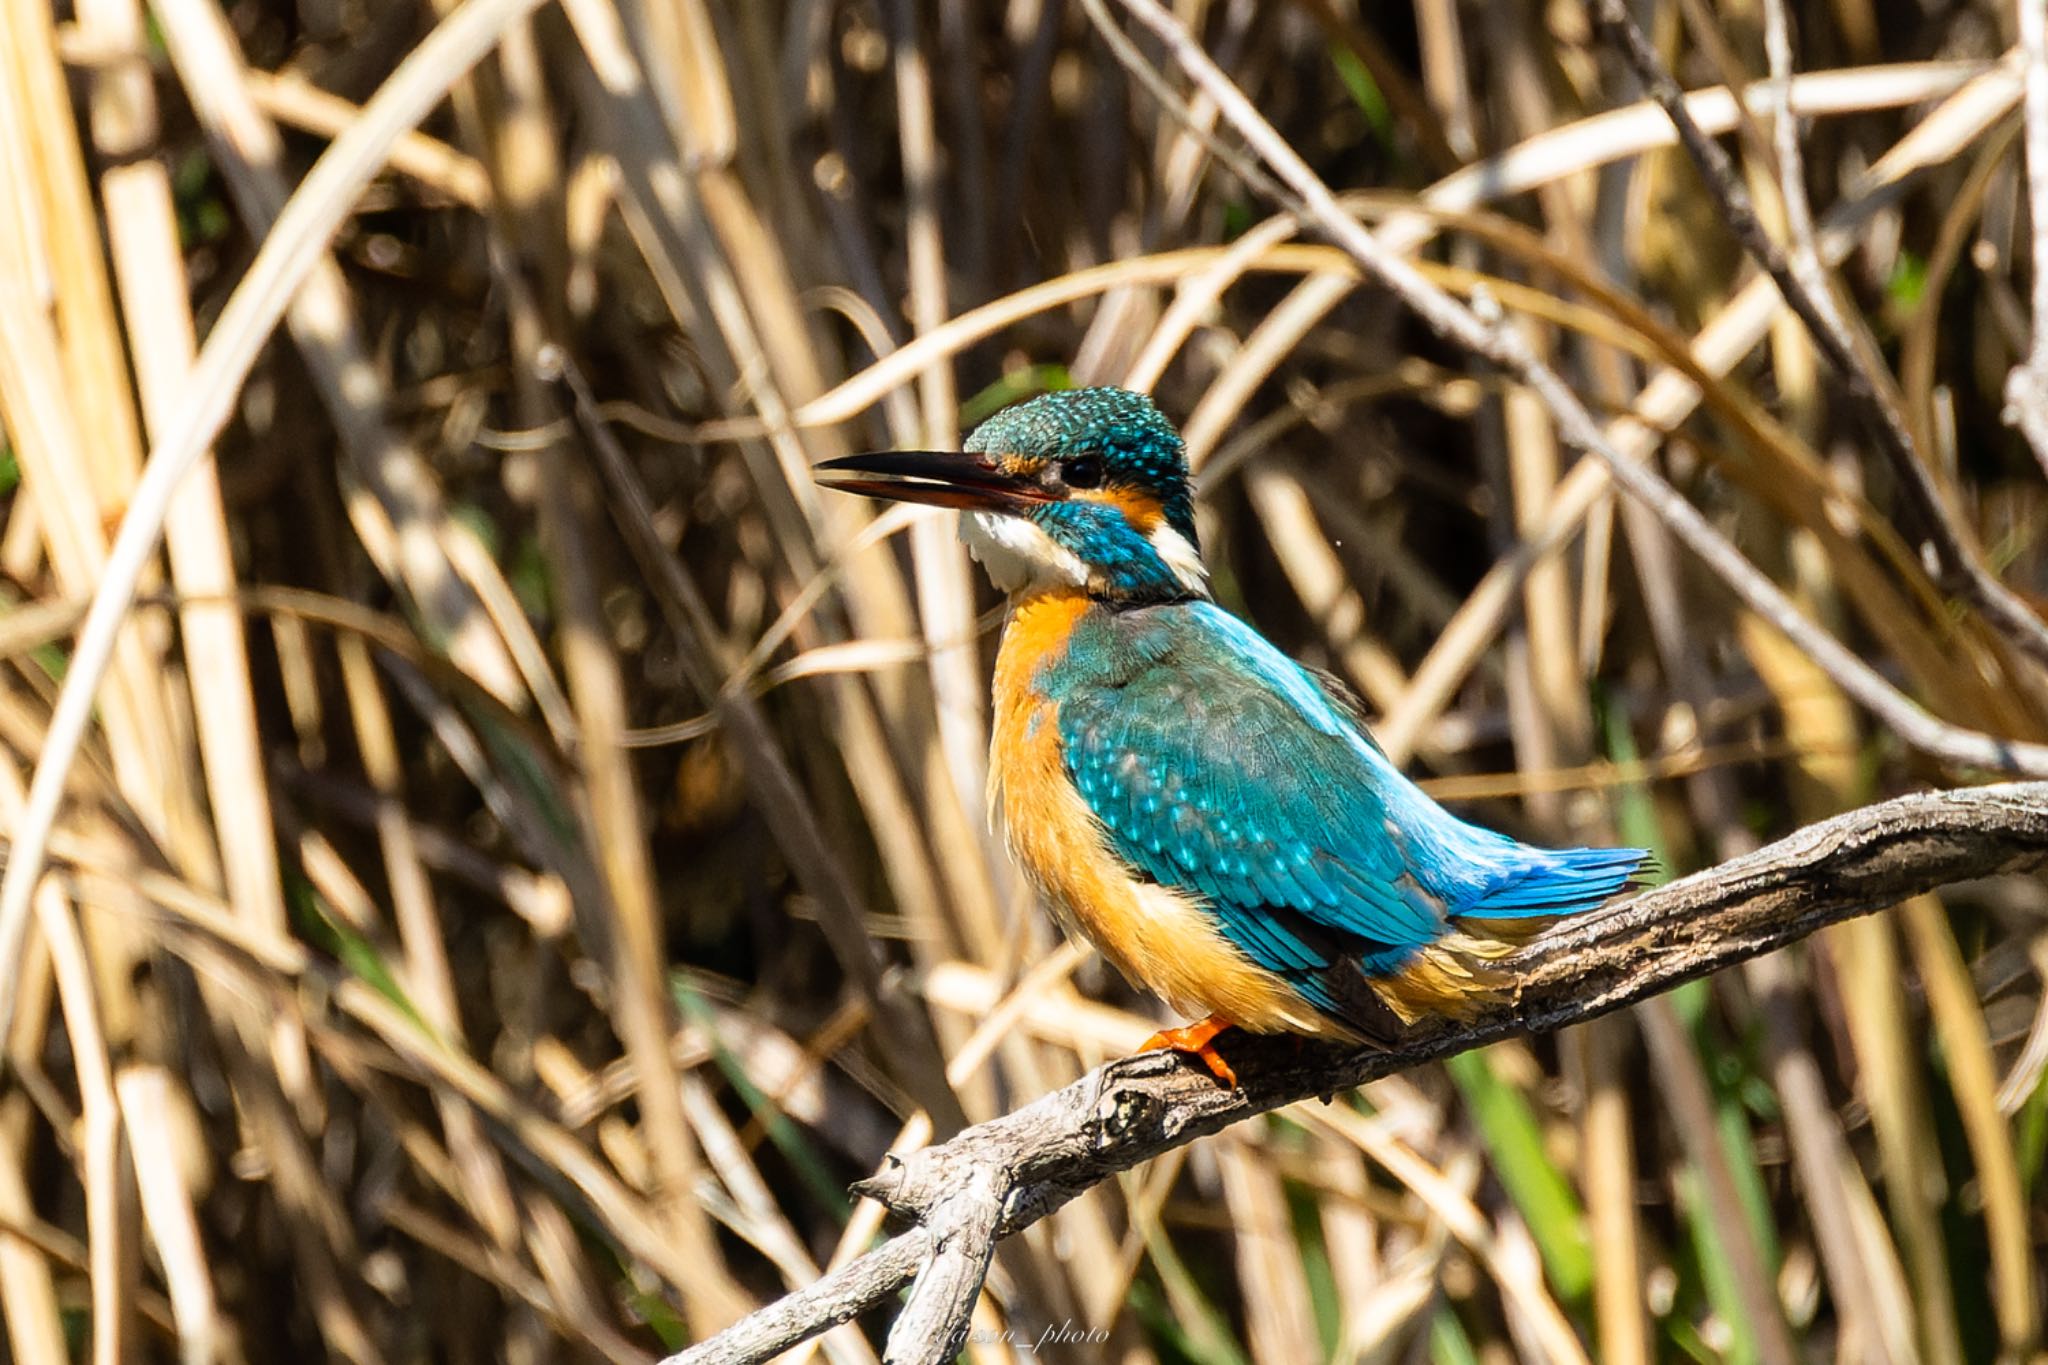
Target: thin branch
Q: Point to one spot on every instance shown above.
(1183, 115)
(1785, 143)
(1803, 284)
(963, 1228)
(839, 1297)
(1505, 347)
(1010, 1172)
(2026, 388)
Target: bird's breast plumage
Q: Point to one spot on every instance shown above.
(1158, 936)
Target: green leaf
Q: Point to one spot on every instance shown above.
(52, 660)
(1908, 282)
(1508, 1126)
(203, 215)
(1738, 1141)
(1017, 384)
(320, 926)
(1365, 93)
(2030, 1138)
(1448, 1342)
(478, 520)
(1716, 1273)
(654, 1310)
(1635, 810)
(1305, 1211)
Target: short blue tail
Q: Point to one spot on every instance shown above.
(1558, 882)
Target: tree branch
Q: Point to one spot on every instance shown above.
(999, 1177)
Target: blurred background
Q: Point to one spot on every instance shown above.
(530, 854)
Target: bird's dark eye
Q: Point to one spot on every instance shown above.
(1083, 471)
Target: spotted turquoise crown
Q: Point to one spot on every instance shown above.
(1126, 431)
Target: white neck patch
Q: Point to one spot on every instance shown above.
(1181, 557)
(1020, 557)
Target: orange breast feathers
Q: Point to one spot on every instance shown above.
(1157, 936)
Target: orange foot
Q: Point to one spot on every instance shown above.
(1197, 1040)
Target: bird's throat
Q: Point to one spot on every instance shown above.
(1018, 555)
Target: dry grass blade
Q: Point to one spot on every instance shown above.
(394, 496)
(290, 252)
(167, 1205)
(521, 854)
(1496, 343)
(1808, 292)
(1960, 1025)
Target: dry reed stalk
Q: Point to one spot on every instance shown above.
(797, 187)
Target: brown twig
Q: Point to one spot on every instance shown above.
(1804, 285)
(1000, 1177)
(1504, 347)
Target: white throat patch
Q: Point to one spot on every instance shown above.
(1018, 555)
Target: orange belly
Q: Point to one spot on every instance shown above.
(1158, 937)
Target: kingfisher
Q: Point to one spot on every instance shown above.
(1212, 816)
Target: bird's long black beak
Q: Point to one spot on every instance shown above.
(940, 478)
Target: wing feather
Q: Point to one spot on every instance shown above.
(1219, 766)
(1211, 778)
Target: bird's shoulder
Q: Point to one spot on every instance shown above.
(1201, 668)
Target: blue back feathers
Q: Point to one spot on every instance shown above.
(1218, 765)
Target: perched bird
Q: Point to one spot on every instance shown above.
(1209, 814)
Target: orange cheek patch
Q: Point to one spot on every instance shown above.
(1141, 510)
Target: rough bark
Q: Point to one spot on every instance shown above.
(1001, 1176)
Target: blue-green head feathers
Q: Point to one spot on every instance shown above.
(1114, 438)
(1121, 512)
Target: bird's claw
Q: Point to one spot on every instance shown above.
(1198, 1041)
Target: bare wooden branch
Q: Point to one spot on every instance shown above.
(839, 1297)
(1007, 1174)
(964, 1225)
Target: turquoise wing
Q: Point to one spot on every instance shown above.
(1218, 766)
